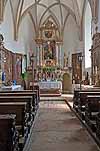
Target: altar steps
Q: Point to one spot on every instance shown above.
(62, 97)
(51, 99)
(49, 95)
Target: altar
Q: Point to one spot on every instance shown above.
(48, 71)
(50, 87)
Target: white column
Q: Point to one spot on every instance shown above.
(40, 55)
(60, 47)
(37, 54)
(57, 54)
(60, 54)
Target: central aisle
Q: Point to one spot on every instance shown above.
(58, 129)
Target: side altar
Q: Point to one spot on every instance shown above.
(48, 71)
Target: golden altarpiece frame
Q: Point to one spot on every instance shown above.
(48, 57)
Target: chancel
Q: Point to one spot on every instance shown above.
(49, 75)
(48, 57)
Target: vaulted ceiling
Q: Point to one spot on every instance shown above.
(39, 10)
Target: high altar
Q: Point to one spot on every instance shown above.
(48, 58)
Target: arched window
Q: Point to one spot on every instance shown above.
(88, 37)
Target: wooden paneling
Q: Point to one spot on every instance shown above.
(17, 67)
(76, 68)
(11, 65)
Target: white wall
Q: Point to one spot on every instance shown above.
(71, 37)
(26, 33)
(88, 37)
(99, 18)
(7, 29)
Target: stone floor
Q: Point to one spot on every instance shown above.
(58, 129)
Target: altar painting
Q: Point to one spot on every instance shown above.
(49, 50)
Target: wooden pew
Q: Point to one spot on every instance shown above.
(9, 137)
(89, 104)
(92, 113)
(34, 94)
(27, 99)
(8, 134)
(81, 101)
(22, 117)
(36, 88)
(76, 93)
(26, 96)
(19, 96)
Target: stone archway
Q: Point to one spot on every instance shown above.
(66, 83)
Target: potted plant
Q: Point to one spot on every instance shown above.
(24, 77)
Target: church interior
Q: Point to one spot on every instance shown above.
(49, 75)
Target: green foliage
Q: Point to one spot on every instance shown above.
(48, 69)
(24, 75)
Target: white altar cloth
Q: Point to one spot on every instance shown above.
(12, 87)
(50, 85)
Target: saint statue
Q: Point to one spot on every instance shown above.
(65, 60)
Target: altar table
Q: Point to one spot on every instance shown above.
(50, 86)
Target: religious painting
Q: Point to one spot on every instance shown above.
(7, 64)
(49, 50)
(17, 67)
(76, 68)
(48, 34)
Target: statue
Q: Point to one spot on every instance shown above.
(65, 60)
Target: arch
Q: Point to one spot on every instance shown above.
(14, 22)
(32, 21)
(48, 9)
(13, 18)
(28, 9)
(65, 22)
(8, 5)
(31, 17)
(65, 6)
(52, 14)
(2, 7)
(86, 2)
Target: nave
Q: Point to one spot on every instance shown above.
(57, 129)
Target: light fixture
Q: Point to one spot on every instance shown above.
(80, 58)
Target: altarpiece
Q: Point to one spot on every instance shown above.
(48, 57)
